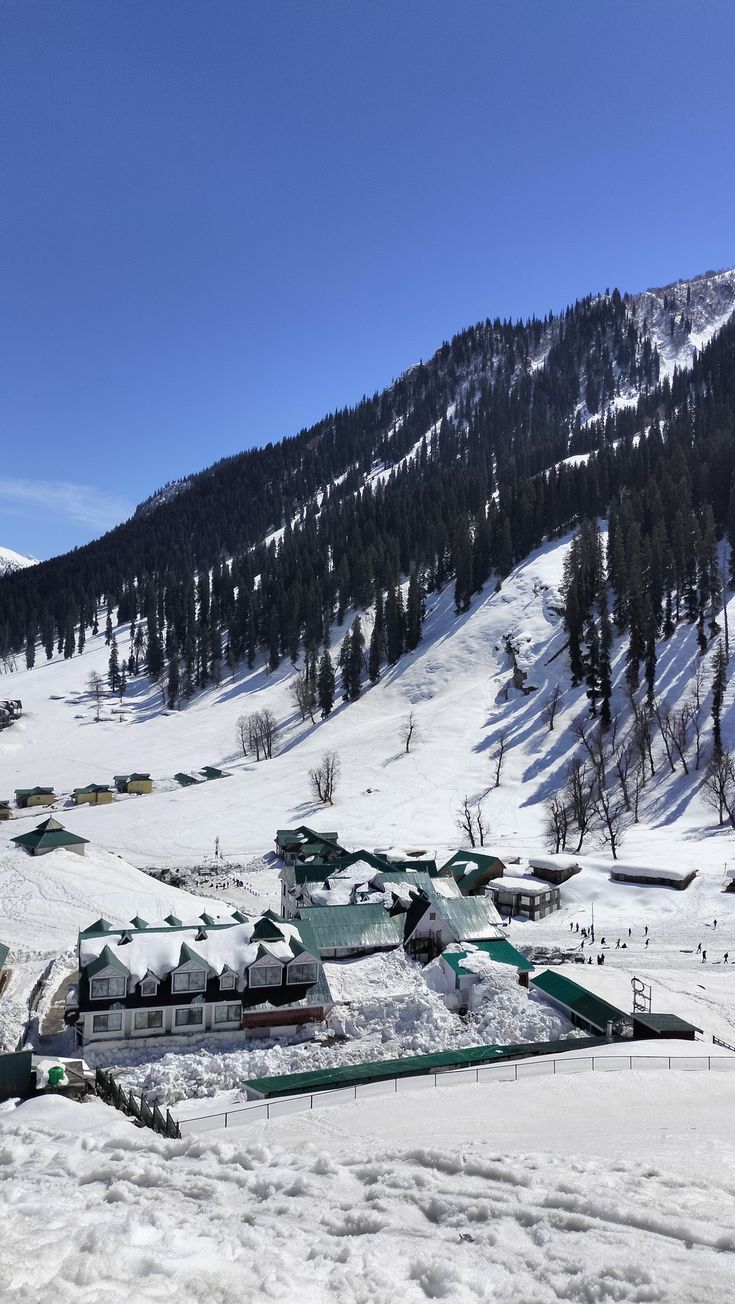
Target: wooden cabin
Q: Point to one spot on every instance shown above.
(95, 794)
(133, 783)
(25, 797)
(47, 836)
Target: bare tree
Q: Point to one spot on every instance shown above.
(694, 706)
(719, 784)
(408, 730)
(551, 706)
(642, 730)
(497, 758)
(242, 733)
(624, 759)
(679, 722)
(96, 686)
(558, 817)
(609, 809)
(470, 820)
(262, 730)
(579, 797)
(325, 777)
(303, 696)
(638, 783)
(663, 719)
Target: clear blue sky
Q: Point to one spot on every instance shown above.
(220, 219)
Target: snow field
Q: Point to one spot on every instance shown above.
(503, 1193)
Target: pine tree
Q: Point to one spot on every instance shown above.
(719, 683)
(31, 647)
(325, 685)
(355, 660)
(462, 567)
(108, 629)
(592, 675)
(606, 642)
(173, 685)
(113, 666)
(394, 625)
(414, 613)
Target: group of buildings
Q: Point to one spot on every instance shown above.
(224, 973)
(101, 794)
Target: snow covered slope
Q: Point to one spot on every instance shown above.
(13, 561)
(469, 1194)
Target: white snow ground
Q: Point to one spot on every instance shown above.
(612, 1188)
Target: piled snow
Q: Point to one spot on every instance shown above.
(523, 884)
(406, 1017)
(558, 861)
(465, 1193)
(650, 871)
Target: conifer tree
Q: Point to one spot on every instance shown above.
(113, 666)
(606, 642)
(414, 613)
(355, 660)
(719, 683)
(325, 684)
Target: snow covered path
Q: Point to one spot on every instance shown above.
(502, 1193)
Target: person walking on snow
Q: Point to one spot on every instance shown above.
(617, 945)
(699, 948)
(647, 941)
(725, 956)
(704, 956)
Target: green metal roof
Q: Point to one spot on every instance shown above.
(47, 835)
(3, 953)
(100, 925)
(105, 960)
(32, 792)
(486, 867)
(661, 1023)
(578, 999)
(211, 772)
(500, 951)
(186, 780)
(470, 919)
(291, 1084)
(362, 927)
(92, 787)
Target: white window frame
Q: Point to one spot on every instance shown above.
(227, 982)
(230, 1017)
(147, 1026)
(255, 971)
(108, 994)
(311, 965)
(152, 983)
(189, 1022)
(189, 986)
(110, 1014)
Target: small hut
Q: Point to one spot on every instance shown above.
(134, 783)
(5, 811)
(25, 797)
(211, 772)
(50, 835)
(555, 868)
(186, 780)
(95, 794)
(652, 875)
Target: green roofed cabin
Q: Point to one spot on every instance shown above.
(5, 811)
(582, 1007)
(341, 931)
(95, 794)
(25, 797)
(49, 835)
(473, 870)
(211, 772)
(462, 976)
(135, 783)
(303, 843)
(186, 780)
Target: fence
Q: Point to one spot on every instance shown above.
(135, 1106)
(254, 1111)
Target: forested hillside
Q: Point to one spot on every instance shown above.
(510, 434)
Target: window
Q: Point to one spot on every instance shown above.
(227, 982)
(227, 1013)
(193, 1014)
(302, 973)
(193, 981)
(107, 1023)
(266, 975)
(149, 987)
(103, 987)
(148, 1019)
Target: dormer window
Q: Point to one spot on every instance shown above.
(265, 975)
(191, 980)
(302, 972)
(103, 988)
(125, 938)
(201, 935)
(149, 987)
(227, 982)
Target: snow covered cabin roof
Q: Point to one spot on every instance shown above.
(159, 948)
(556, 860)
(500, 950)
(621, 869)
(523, 885)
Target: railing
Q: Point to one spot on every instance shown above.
(136, 1107)
(719, 1042)
(254, 1111)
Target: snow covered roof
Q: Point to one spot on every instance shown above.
(524, 885)
(158, 949)
(555, 861)
(676, 875)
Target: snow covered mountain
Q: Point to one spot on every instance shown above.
(14, 561)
